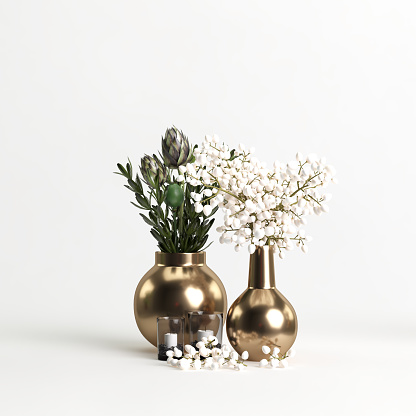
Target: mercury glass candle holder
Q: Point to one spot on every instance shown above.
(170, 334)
(204, 324)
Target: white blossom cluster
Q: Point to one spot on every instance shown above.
(262, 206)
(274, 361)
(206, 356)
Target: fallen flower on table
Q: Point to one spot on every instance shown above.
(274, 360)
(205, 355)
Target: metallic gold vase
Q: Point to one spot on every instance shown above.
(261, 315)
(176, 284)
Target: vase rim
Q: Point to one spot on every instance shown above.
(180, 259)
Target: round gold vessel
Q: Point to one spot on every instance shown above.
(261, 315)
(176, 284)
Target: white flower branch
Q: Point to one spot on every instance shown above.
(274, 360)
(262, 206)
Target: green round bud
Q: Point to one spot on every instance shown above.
(174, 196)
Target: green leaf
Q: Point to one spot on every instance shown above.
(139, 183)
(147, 221)
(134, 186)
(143, 201)
(156, 235)
(163, 247)
(165, 233)
(122, 170)
(159, 211)
(212, 212)
(204, 249)
(233, 155)
(206, 226)
(152, 215)
(138, 206)
(203, 241)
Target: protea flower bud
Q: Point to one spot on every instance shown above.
(153, 169)
(175, 148)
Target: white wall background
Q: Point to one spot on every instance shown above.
(84, 84)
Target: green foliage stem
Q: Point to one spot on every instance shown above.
(176, 230)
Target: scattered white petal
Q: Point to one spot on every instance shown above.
(274, 363)
(265, 349)
(263, 363)
(184, 364)
(291, 353)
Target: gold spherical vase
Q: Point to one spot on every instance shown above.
(261, 315)
(178, 283)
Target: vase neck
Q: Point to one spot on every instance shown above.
(180, 259)
(261, 274)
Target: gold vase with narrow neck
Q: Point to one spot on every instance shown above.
(176, 284)
(261, 315)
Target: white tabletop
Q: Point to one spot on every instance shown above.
(48, 371)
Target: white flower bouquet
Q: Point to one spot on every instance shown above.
(262, 206)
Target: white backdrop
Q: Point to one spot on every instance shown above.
(84, 84)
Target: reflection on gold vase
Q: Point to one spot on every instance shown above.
(261, 315)
(176, 284)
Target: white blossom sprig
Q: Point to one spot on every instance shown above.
(207, 356)
(274, 360)
(262, 206)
